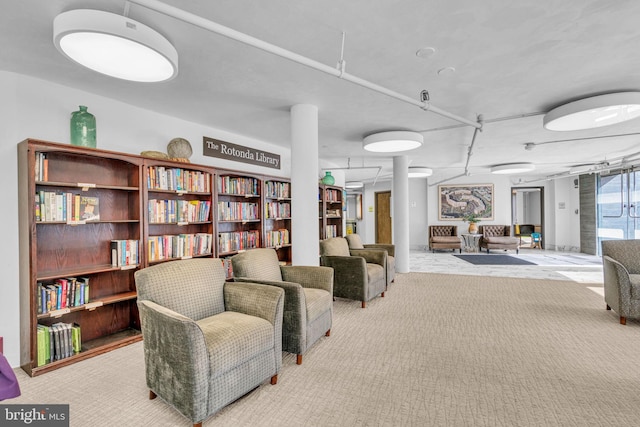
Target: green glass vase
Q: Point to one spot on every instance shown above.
(328, 179)
(83, 128)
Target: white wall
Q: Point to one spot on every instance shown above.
(33, 108)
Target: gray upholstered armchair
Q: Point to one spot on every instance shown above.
(356, 243)
(206, 342)
(308, 296)
(621, 267)
(498, 237)
(359, 274)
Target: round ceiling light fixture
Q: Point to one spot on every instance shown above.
(419, 172)
(393, 141)
(594, 112)
(354, 184)
(511, 168)
(115, 45)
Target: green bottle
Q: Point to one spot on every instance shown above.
(83, 128)
(328, 179)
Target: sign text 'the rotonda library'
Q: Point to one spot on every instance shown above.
(226, 150)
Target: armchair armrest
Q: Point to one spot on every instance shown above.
(391, 249)
(254, 300)
(616, 278)
(372, 256)
(175, 353)
(309, 277)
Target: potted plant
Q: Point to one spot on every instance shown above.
(472, 218)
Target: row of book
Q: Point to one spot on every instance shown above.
(277, 238)
(57, 342)
(62, 293)
(238, 241)
(170, 211)
(331, 195)
(277, 190)
(331, 231)
(125, 252)
(161, 178)
(42, 167)
(238, 185)
(179, 246)
(277, 210)
(54, 206)
(238, 211)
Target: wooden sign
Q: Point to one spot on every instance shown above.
(239, 153)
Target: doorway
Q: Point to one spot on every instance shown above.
(383, 217)
(527, 214)
(618, 204)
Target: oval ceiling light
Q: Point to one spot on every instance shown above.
(594, 112)
(115, 45)
(419, 172)
(511, 168)
(389, 142)
(354, 184)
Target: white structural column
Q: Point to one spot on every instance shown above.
(400, 201)
(305, 229)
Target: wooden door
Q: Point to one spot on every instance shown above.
(383, 217)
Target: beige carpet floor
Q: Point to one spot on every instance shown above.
(438, 350)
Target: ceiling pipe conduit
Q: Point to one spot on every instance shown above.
(206, 24)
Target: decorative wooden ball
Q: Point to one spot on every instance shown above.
(179, 148)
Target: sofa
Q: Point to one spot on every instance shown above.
(444, 237)
(498, 237)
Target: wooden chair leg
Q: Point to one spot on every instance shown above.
(623, 320)
(608, 308)
(152, 395)
(299, 359)
(274, 379)
(382, 295)
(328, 333)
(364, 304)
(197, 424)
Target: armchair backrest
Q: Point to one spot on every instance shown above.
(336, 246)
(193, 288)
(495, 230)
(443, 230)
(262, 263)
(354, 241)
(626, 252)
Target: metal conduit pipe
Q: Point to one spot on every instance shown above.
(206, 24)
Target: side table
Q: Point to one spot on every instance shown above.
(471, 242)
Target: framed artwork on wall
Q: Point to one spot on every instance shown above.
(457, 201)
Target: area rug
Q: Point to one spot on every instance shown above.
(494, 260)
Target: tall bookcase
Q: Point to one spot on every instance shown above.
(239, 214)
(178, 211)
(330, 200)
(56, 245)
(277, 217)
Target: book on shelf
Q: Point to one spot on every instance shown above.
(57, 342)
(124, 253)
(89, 208)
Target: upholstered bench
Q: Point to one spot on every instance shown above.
(444, 237)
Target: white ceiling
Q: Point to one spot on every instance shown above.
(512, 63)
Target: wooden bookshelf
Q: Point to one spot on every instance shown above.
(330, 204)
(252, 209)
(239, 213)
(178, 211)
(63, 248)
(277, 217)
